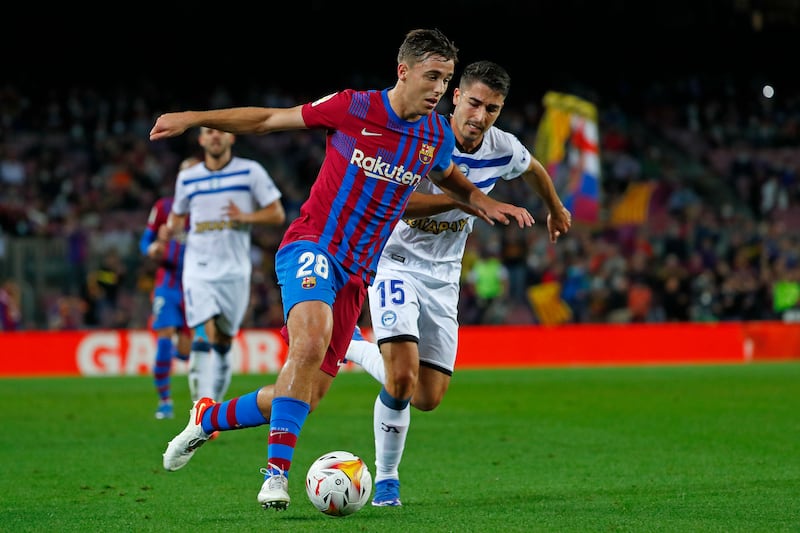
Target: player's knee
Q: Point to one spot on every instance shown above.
(403, 376)
(223, 338)
(401, 383)
(201, 345)
(222, 348)
(307, 349)
(406, 380)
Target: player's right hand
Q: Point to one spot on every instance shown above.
(233, 212)
(472, 210)
(164, 233)
(156, 250)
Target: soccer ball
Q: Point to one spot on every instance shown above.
(338, 483)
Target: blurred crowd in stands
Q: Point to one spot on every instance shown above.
(78, 176)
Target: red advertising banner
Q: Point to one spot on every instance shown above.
(574, 345)
(121, 352)
(131, 352)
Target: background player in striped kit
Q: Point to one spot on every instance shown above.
(222, 197)
(173, 336)
(414, 300)
(379, 146)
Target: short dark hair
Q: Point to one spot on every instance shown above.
(421, 44)
(490, 74)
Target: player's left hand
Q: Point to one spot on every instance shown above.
(233, 212)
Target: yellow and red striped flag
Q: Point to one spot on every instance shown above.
(567, 145)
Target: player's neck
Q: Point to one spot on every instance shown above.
(217, 162)
(467, 147)
(399, 107)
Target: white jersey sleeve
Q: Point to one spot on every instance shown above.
(264, 189)
(180, 202)
(435, 245)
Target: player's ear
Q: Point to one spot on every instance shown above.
(456, 96)
(402, 71)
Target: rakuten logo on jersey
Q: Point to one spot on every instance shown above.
(376, 167)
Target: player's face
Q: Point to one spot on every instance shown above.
(215, 142)
(426, 83)
(475, 111)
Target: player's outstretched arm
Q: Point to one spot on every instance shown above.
(426, 205)
(237, 120)
(456, 184)
(559, 219)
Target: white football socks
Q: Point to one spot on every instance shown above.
(391, 429)
(367, 355)
(201, 375)
(222, 374)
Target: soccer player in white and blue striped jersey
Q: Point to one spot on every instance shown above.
(414, 300)
(222, 196)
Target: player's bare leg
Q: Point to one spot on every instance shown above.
(300, 385)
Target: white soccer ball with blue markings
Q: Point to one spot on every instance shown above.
(338, 483)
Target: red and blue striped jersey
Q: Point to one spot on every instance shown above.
(170, 267)
(373, 162)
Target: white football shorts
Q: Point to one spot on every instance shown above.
(410, 305)
(205, 299)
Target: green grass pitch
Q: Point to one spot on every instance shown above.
(605, 449)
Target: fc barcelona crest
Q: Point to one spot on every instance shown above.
(426, 154)
(309, 282)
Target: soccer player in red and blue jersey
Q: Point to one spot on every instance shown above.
(167, 318)
(379, 146)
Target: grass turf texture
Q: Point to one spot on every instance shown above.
(683, 448)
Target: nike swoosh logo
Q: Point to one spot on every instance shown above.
(366, 133)
(277, 433)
